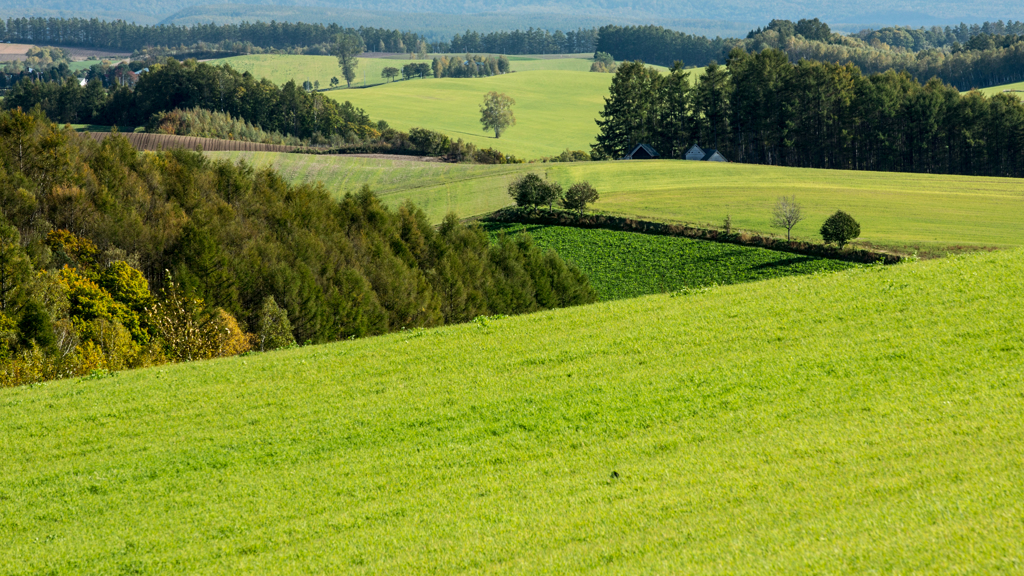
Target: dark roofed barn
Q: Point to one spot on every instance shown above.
(641, 152)
(714, 156)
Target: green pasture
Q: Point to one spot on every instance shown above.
(931, 214)
(557, 99)
(281, 68)
(865, 421)
(630, 264)
(1018, 89)
(554, 109)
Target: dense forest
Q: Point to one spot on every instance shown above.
(245, 37)
(111, 258)
(964, 56)
(764, 109)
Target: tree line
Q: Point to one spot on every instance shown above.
(170, 85)
(764, 109)
(110, 258)
(469, 66)
(129, 37)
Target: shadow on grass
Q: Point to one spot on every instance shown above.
(786, 263)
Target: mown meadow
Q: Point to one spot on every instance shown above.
(631, 264)
(930, 214)
(861, 421)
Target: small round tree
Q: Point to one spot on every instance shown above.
(532, 190)
(839, 229)
(527, 190)
(579, 195)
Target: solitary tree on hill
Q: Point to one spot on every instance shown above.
(840, 228)
(496, 113)
(787, 214)
(346, 47)
(390, 72)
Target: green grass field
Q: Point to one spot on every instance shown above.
(931, 214)
(554, 109)
(1018, 89)
(281, 68)
(865, 421)
(630, 264)
(557, 99)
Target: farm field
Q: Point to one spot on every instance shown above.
(853, 422)
(630, 264)
(931, 214)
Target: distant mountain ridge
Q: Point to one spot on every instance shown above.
(726, 18)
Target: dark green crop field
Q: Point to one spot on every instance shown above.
(629, 264)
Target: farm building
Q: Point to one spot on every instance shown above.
(714, 156)
(641, 152)
(698, 153)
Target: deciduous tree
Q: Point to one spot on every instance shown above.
(839, 229)
(496, 113)
(786, 214)
(346, 47)
(579, 195)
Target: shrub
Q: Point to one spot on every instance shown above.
(839, 229)
(430, 142)
(492, 156)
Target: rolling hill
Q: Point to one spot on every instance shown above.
(839, 423)
(555, 109)
(931, 214)
(557, 98)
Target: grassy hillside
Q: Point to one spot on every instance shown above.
(630, 264)
(281, 68)
(1018, 89)
(842, 423)
(924, 212)
(557, 99)
(554, 109)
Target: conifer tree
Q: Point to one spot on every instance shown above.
(631, 111)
